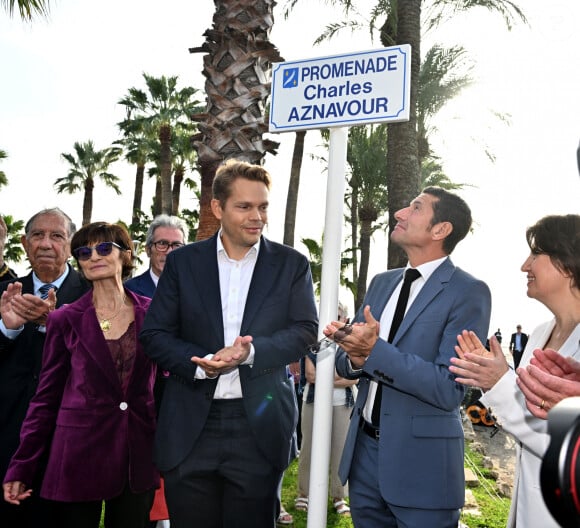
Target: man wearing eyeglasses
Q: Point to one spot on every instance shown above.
(24, 305)
(165, 234)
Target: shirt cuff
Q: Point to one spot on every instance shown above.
(10, 333)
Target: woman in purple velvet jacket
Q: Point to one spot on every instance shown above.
(93, 415)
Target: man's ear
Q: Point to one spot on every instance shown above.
(216, 208)
(441, 230)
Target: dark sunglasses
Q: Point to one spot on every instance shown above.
(103, 249)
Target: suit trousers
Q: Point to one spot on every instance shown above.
(128, 510)
(370, 510)
(224, 482)
(340, 422)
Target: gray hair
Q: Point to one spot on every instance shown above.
(53, 211)
(164, 220)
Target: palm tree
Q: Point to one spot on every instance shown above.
(293, 187)
(87, 164)
(162, 108)
(13, 251)
(402, 25)
(367, 159)
(138, 146)
(3, 178)
(236, 65)
(184, 159)
(315, 251)
(27, 8)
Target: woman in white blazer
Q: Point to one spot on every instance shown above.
(553, 278)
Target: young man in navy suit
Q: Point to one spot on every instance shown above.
(404, 462)
(228, 315)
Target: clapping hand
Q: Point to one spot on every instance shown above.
(547, 380)
(357, 339)
(475, 366)
(226, 359)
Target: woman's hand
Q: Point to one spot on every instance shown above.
(16, 491)
(476, 366)
(547, 380)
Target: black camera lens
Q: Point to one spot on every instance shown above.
(560, 471)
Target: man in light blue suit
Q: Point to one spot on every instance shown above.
(406, 468)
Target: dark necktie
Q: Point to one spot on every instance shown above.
(411, 274)
(45, 288)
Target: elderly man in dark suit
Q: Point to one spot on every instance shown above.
(518, 343)
(228, 315)
(51, 283)
(403, 455)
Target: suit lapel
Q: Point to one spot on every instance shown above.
(436, 283)
(206, 275)
(379, 301)
(90, 341)
(264, 276)
(71, 288)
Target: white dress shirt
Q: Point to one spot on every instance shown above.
(235, 277)
(386, 320)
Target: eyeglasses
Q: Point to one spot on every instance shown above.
(103, 249)
(164, 245)
(324, 343)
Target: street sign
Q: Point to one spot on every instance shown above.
(341, 90)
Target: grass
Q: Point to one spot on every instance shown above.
(289, 494)
(494, 510)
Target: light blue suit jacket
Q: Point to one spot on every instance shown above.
(421, 436)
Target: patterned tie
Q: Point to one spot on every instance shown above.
(45, 288)
(411, 275)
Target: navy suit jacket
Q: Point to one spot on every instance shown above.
(421, 436)
(142, 284)
(185, 320)
(20, 362)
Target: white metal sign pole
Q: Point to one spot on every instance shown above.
(330, 280)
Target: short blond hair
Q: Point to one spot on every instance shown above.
(233, 169)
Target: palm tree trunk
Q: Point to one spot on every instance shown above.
(293, 187)
(88, 201)
(165, 168)
(138, 192)
(237, 68)
(208, 223)
(176, 193)
(403, 175)
(354, 234)
(156, 209)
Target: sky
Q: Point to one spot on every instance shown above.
(62, 78)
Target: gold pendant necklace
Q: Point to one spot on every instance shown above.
(106, 322)
(105, 325)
